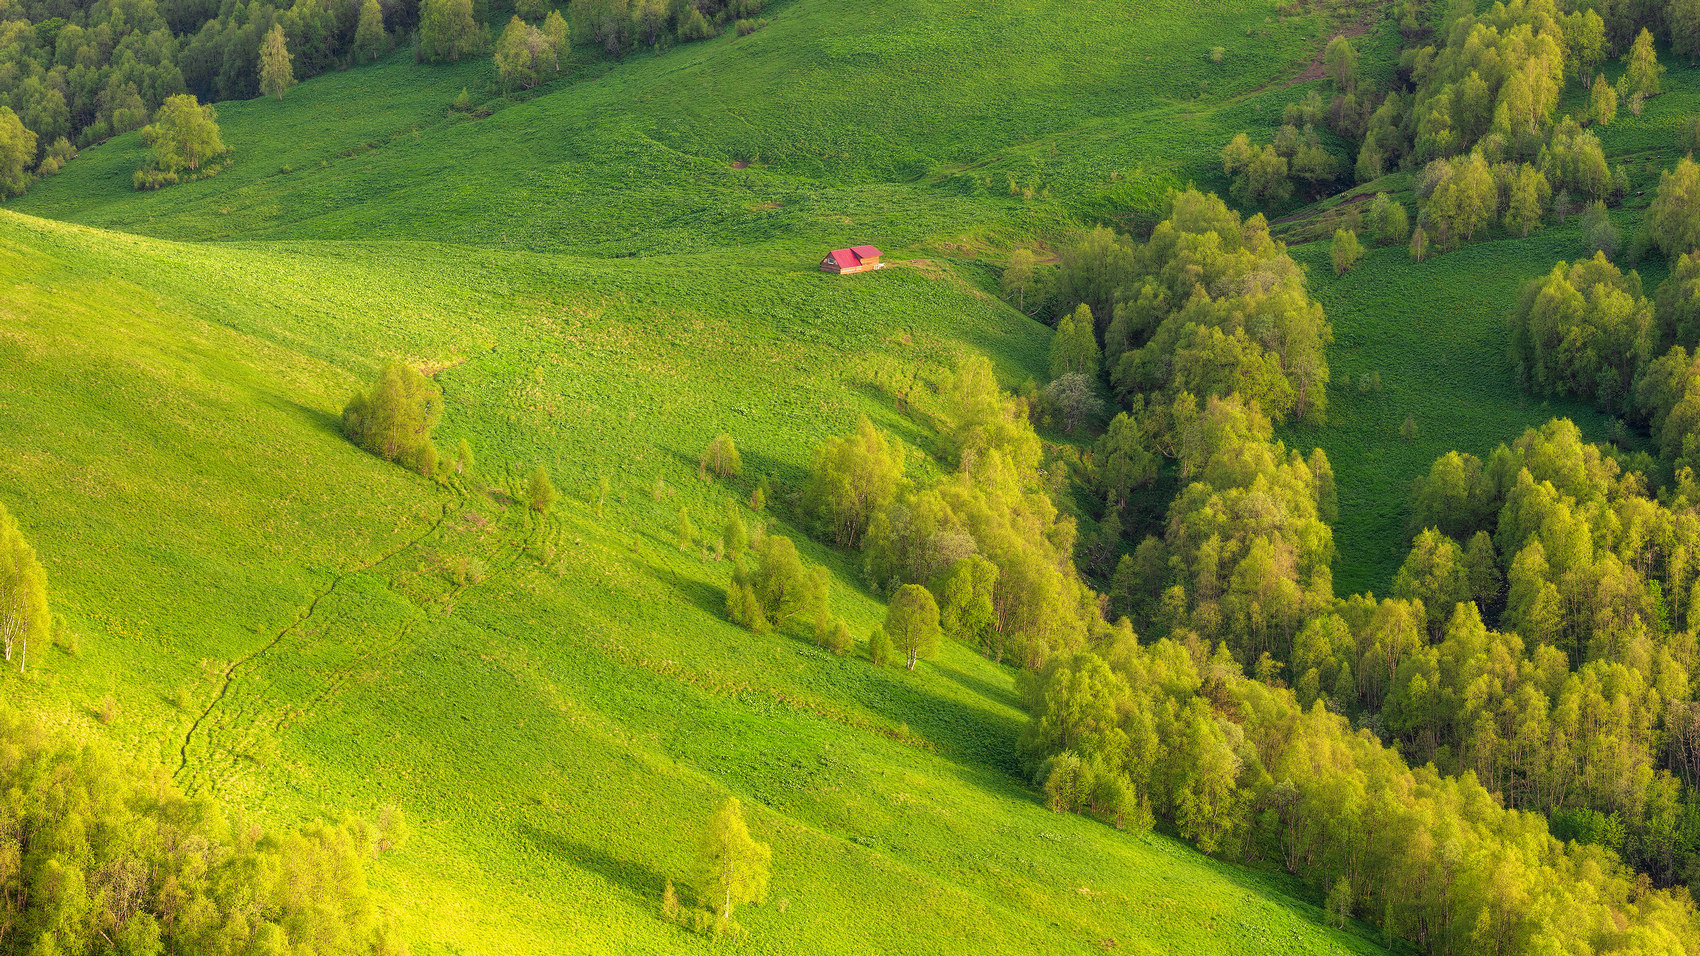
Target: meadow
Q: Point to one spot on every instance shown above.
(302, 630)
(604, 274)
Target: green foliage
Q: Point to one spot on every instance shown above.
(276, 74)
(734, 867)
(17, 152)
(523, 54)
(1074, 347)
(540, 494)
(777, 587)
(1641, 72)
(965, 597)
(735, 538)
(116, 859)
(184, 143)
(1073, 399)
(1392, 225)
(1600, 235)
(1017, 276)
(24, 615)
(880, 651)
(1602, 102)
(448, 32)
(853, 478)
(1264, 340)
(1341, 61)
(370, 40)
(1673, 218)
(1246, 542)
(912, 623)
(1584, 330)
(721, 458)
(1345, 251)
(395, 418)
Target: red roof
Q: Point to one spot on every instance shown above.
(865, 252)
(845, 258)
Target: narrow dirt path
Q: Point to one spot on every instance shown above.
(230, 672)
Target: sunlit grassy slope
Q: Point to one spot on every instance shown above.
(602, 284)
(308, 630)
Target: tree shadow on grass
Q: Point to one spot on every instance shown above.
(984, 688)
(317, 418)
(642, 881)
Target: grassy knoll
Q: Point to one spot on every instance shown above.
(307, 630)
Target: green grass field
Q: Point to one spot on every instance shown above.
(304, 630)
(603, 284)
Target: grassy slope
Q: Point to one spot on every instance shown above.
(891, 122)
(558, 728)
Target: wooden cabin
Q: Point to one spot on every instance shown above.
(853, 259)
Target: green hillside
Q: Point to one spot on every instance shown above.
(306, 630)
(904, 123)
(603, 274)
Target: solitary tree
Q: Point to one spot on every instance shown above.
(1017, 276)
(734, 538)
(735, 867)
(17, 151)
(1341, 61)
(720, 458)
(540, 492)
(1345, 251)
(394, 419)
(912, 622)
(276, 75)
(1602, 102)
(1641, 71)
(23, 592)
